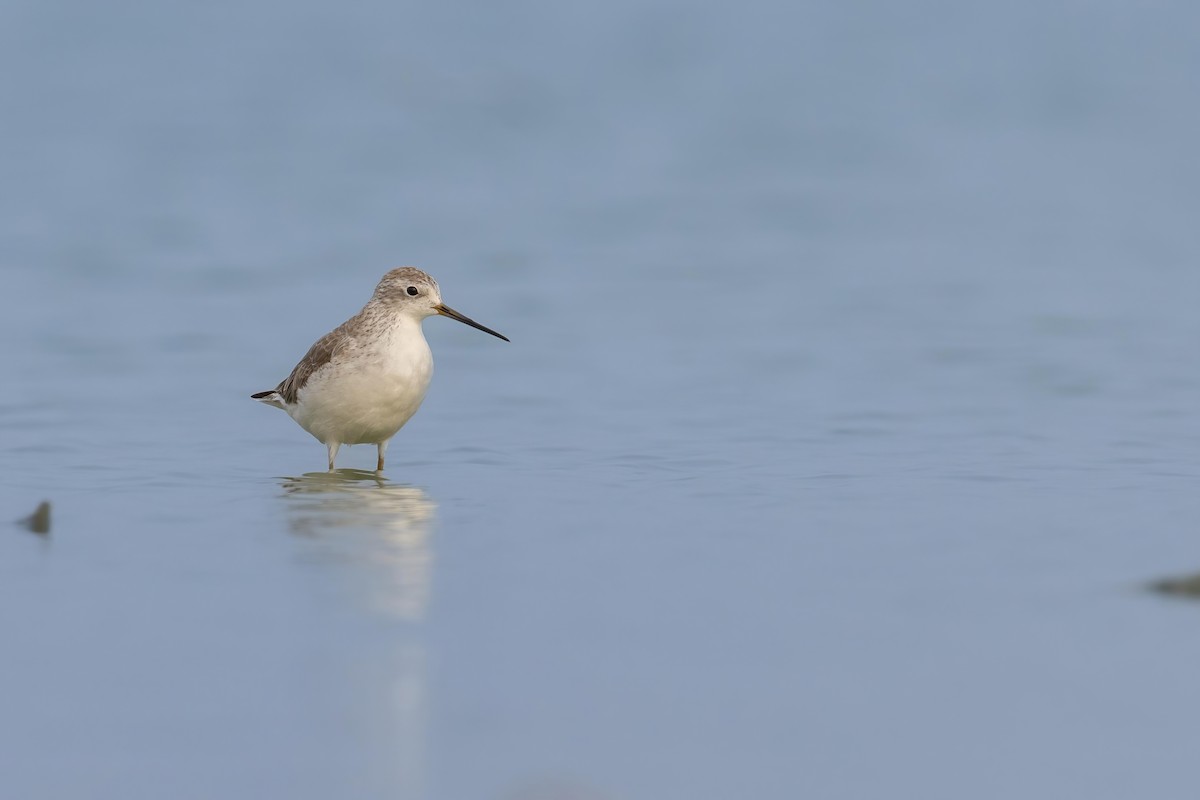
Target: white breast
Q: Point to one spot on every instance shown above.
(370, 389)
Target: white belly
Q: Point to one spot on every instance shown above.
(365, 396)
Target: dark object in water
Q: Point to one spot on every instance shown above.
(1186, 586)
(39, 520)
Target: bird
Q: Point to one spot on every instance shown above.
(361, 382)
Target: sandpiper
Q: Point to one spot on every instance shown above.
(364, 379)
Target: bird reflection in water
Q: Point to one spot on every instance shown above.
(374, 536)
(360, 518)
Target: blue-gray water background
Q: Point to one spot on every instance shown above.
(851, 400)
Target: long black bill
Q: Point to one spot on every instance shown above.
(447, 311)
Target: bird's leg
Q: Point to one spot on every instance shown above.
(333, 448)
(382, 449)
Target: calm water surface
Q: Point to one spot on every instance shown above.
(850, 405)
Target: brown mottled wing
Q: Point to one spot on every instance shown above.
(317, 356)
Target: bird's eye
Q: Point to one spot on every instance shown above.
(412, 291)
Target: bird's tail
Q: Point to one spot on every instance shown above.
(270, 397)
